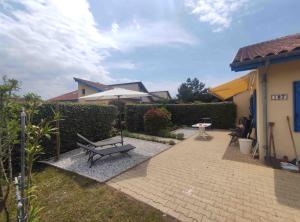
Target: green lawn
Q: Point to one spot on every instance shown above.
(69, 197)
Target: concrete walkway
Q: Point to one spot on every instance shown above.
(208, 181)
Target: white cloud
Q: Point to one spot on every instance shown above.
(122, 65)
(114, 27)
(217, 13)
(45, 43)
(48, 42)
(142, 33)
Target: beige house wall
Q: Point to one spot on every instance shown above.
(134, 87)
(242, 102)
(88, 91)
(280, 78)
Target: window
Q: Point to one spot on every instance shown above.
(83, 91)
(297, 105)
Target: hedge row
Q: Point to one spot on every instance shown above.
(223, 115)
(92, 121)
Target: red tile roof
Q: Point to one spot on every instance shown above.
(70, 96)
(96, 85)
(277, 46)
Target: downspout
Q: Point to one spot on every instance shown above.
(265, 109)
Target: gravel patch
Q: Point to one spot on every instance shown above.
(187, 131)
(110, 166)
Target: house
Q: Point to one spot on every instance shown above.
(160, 96)
(275, 90)
(86, 87)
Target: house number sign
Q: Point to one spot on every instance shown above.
(279, 96)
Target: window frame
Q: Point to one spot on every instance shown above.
(83, 91)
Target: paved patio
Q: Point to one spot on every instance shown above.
(208, 181)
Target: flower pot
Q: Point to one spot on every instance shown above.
(245, 145)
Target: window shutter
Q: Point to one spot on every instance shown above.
(297, 105)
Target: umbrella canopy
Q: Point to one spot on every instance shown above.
(115, 93)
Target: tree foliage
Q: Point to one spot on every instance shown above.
(10, 110)
(193, 90)
(9, 129)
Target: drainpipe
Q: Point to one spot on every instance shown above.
(265, 110)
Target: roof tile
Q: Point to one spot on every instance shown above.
(70, 96)
(273, 47)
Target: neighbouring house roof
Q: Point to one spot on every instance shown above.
(140, 85)
(275, 51)
(95, 85)
(70, 96)
(73, 96)
(161, 94)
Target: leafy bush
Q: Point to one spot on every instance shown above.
(171, 142)
(167, 113)
(167, 134)
(156, 119)
(92, 121)
(120, 107)
(180, 136)
(146, 137)
(223, 115)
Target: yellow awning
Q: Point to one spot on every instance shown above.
(234, 87)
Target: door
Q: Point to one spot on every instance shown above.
(297, 105)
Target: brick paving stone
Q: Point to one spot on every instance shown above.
(209, 181)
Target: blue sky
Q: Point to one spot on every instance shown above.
(160, 42)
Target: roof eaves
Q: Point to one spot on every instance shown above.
(140, 84)
(259, 62)
(87, 84)
(166, 91)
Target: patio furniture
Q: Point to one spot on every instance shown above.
(104, 152)
(201, 127)
(206, 120)
(243, 130)
(106, 142)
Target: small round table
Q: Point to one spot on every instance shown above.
(201, 127)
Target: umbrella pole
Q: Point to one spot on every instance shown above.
(120, 122)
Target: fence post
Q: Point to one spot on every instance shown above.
(22, 216)
(58, 142)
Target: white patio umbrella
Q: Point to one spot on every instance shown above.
(115, 93)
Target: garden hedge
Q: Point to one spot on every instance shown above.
(223, 115)
(92, 121)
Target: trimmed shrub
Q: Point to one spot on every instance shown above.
(156, 119)
(223, 115)
(92, 121)
(180, 136)
(171, 142)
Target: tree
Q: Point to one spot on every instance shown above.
(193, 90)
(9, 130)
(36, 132)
